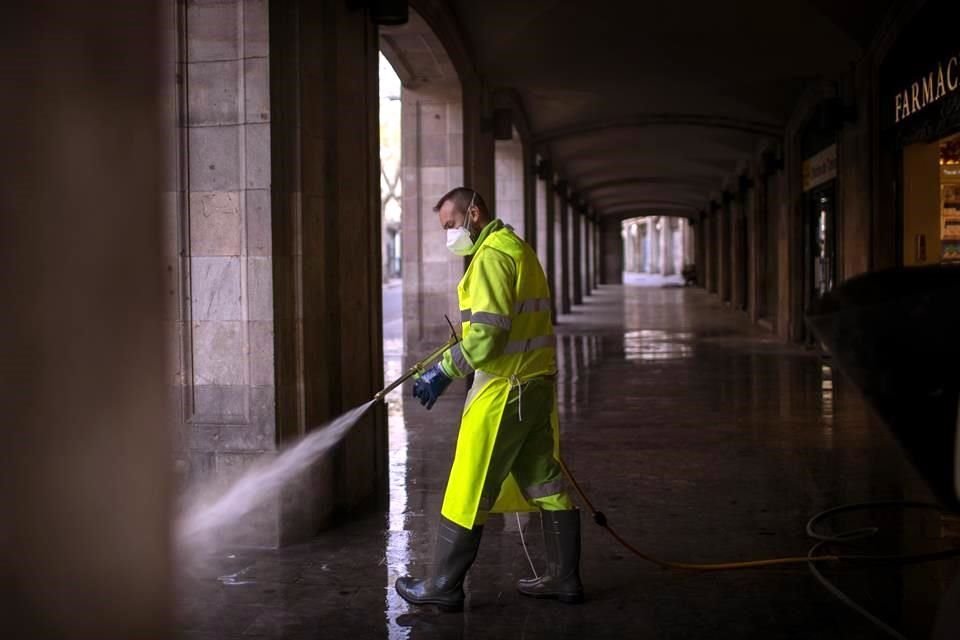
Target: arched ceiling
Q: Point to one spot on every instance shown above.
(648, 106)
(418, 57)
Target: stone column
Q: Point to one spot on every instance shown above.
(587, 257)
(611, 247)
(638, 239)
(552, 237)
(721, 257)
(725, 250)
(696, 244)
(86, 501)
(679, 244)
(700, 243)
(641, 246)
(585, 253)
(432, 164)
(576, 270)
(564, 213)
(756, 234)
(597, 254)
(543, 231)
(738, 262)
(530, 215)
(508, 159)
(584, 283)
(679, 239)
(478, 143)
(327, 233)
(747, 252)
(547, 234)
(738, 269)
(714, 241)
(691, 249)
(558, 254)
(654, 245)
(638, 247)
(707, 248)
(676, 238)
(664, 251)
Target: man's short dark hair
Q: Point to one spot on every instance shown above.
(461, 200)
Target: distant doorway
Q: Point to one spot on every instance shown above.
(821, 226)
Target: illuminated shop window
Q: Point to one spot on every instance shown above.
(950, 198)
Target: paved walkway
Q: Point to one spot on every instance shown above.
(702, 439)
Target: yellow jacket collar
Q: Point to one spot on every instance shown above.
(493, 225)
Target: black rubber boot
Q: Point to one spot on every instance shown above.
(455, 551)
(561, 535)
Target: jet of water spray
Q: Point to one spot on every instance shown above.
(254, 487)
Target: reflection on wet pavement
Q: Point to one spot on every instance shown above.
(655, 344)
(700, 437)
(396, 558)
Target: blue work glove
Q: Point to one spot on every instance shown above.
(430, 385)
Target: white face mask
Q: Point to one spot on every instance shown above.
(459, 241)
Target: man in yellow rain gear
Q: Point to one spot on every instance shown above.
(507, 448)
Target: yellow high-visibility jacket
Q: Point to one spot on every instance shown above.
(507, 339)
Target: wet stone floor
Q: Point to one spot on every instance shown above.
(701, 438)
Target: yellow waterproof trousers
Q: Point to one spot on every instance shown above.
(507, 448)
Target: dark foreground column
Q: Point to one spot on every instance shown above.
(86, 491)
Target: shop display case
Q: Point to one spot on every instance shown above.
(950, 199)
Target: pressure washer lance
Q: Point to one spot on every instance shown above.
(420, 366)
